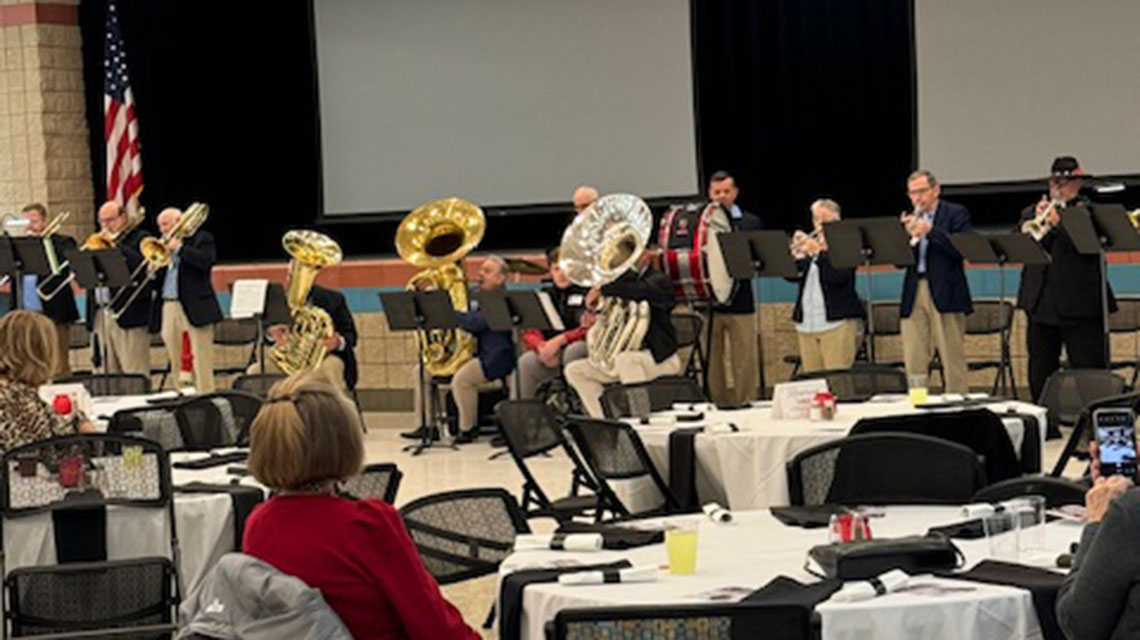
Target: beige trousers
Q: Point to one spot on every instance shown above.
(127, 350)
(739, 329)
(63, 342)
(832, 349)
(927, 329)
(332, 367)
(632, 367)
(465, 386)
(174, 322)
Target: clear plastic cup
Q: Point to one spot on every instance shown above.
(1002, 534)
(681, 545)
(1030, 513)
(917, 388)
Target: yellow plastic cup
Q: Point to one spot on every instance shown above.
(681, 545)
(918, 390)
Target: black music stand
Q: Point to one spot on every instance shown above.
(274, 311)
(1100, 230)
(865, 242)
(9, 266)
(1016, 248)
(421, 311)
(94, 269)
(756, 254)
(31, 259)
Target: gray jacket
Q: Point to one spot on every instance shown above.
(1100, 598)
(243, 597)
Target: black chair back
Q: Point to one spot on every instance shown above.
(155, 422)
(1058, 492)
(738, 620)
(613, 451)
(979, 429)
(257, 384)
(78, 336)
(464, 534)
(643, 398)
(1077, 444)
(379, 481)
(989, 316)
(689, 328)
(206, 422)
(1068, 391)
(111, 384)
(860, 382)
(885, 468)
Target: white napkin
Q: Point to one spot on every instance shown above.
(866, 589)
(610, 576)
(659, 420)
(978, 510)
(559, 541)
(717, 513)
(694, 407)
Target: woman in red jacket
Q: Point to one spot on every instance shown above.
(357, 553)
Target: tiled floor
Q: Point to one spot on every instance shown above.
(441, 469)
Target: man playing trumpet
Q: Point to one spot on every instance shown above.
(935, 296)
(828, 310)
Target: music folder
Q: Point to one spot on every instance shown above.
(31, 255)
(762, 254)
(411, 310)
(1015, 248)
(508, 310)
(101, 268)
(865, 241)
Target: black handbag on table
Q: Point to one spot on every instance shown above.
(863, 559)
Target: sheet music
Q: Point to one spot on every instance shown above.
(551, 313)
(248, 298)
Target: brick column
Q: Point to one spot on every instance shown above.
(44, 151)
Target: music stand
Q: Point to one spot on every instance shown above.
(420, 311)
(9, 265)
(1099, 230)
(273, 311)
(513, 311)
(1017, 248)
(756, 254)
(866, 242)
(101, 268)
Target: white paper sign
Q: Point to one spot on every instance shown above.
(248, 298)
(793, 400)
(76, 392)
(552, 316)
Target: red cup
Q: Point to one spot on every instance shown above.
(70, 470)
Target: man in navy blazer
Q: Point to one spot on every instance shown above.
(935, 297)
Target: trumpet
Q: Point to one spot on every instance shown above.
(1039, 225)
(908, 219)
(799, 239)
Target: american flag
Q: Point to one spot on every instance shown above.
(120, 126)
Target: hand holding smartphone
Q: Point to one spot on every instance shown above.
(1115, 430)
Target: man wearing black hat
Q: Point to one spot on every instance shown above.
(1062, 299)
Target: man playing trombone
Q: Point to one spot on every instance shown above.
(935, 297)
(186, 300)
(60, 307)
(125, 338)
(1061, 299)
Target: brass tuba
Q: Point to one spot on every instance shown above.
(305, 349)
(602, 243)
(435, 237)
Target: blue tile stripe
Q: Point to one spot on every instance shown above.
(984, 283)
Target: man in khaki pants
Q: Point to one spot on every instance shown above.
(734, 321)
(936, 297)
(123, 341)
(186, 300)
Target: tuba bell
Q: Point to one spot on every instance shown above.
(305, 348)
(435, 237)
(602, 243)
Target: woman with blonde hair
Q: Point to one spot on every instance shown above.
(356, 552)
(28, 356)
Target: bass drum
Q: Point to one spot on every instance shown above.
(691, 254)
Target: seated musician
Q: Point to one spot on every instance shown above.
(495, 358)
(339, 364)
(60, 308)
(548, 351)
(828, 310)
(658, 354)
(584, 196)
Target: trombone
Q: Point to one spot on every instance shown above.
(156, 256)
(43, 290)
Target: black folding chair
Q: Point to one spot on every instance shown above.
(244, 407)
(885, 468)
(643, 398)
(111, 384)
(155, 422)
(979, 429)
(1127, 320)
(207, 422)
(258, 384)
(464, 534)
(236, 332)
(1077, 444)
(1068, 391)
(689, 328)
(860, 382)
(83, 595)
(378, 481)
(719, 621)
(614, 452)
(1058, 492)
(994, 317)
(531, 428)
(164, 371)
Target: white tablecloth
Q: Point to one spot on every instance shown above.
(756, 548)
(204, 524)
(747, 469)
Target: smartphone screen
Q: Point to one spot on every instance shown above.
(1116, 441)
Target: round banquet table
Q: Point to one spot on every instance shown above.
(756, 548)
(747, 469)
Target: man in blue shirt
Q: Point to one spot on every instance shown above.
(60, 308)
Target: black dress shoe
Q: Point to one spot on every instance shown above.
(466, 437)
(418, 434)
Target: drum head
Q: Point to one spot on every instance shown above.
(722, 285)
